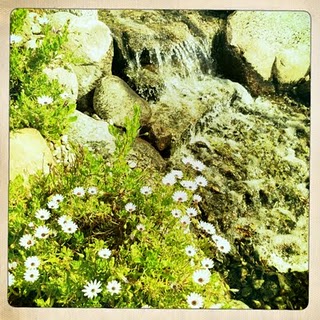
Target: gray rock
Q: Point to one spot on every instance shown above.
(146, 156)
(92, 133)
(113, 100)
(265, 46)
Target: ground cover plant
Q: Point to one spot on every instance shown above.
(100, 233)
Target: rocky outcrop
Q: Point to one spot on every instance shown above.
(90, 42)
(114, 100)
(29, 153)
(266, 51)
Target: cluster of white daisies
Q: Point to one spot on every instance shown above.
(92, 288)
(42, 232)
(200, 276)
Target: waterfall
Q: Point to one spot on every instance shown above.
(182, 59)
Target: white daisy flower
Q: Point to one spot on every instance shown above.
(190, 251)
(14, 38)
(91, 289)
(44, 100)
(12, 265)
(185, 220)
(79, 191)
(201, 181)
(207, 263)
(27, 241)
(187, 160)
(223, 244)
(196, 198)
(57, 198)
(64, 138)
(146, 190)
(11, 279)
(63, 220)
(53, 204)
(31, 225)
(31, 44)
(201, 276)
(189, 185)
(169, 180)
(104, 253)
(64, 95)
(141, 227)
(176, 213)
(132, 164)
(178, 174)
(69, 227)
(43, 20)
(32, 262)
(191, 212)
(180, 196)
(31, 275)
(42, 232)
(42, 214)
(195, 300)
(207, 227)
(114, 287)
(198, 165)
(130, 207)
(92, 190)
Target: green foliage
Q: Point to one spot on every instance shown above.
(28, 82)
(147, 244)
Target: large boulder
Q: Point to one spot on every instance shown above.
(114, 100)
(90, 42)
(266, 51)
(29, 153)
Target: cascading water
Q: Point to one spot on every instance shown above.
(173, 66)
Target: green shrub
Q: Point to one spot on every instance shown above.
(35, 100)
